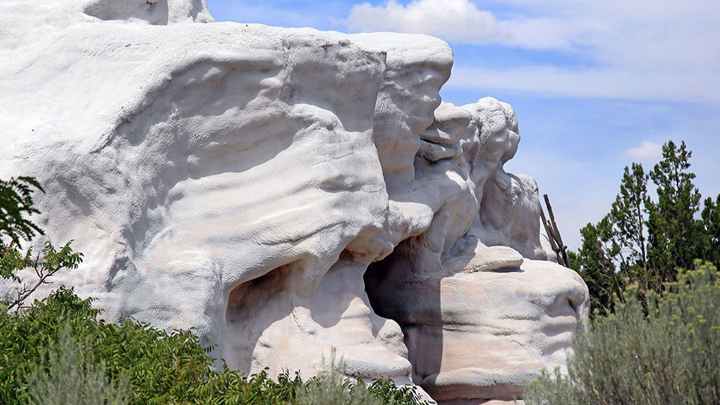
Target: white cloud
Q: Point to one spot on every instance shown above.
(647, 152)
(640, 49)
(452, 20)
(461, 21)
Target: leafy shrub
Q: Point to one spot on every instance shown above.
(667, 352)
(15, 202)
(59, 342)
(161, 368)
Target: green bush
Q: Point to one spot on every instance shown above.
(664, 352)
(58, 348)
(161, 368)
(72, 377)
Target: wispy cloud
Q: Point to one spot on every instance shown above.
(647, 152)
(460, 21)
(452, 20)
(661, 49)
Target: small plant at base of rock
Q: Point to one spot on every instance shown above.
(332, 386)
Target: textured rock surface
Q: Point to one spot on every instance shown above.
(481, 308)
(284, 191)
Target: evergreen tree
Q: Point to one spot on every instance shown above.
(674, 235)
(644, 241)
(627, 218)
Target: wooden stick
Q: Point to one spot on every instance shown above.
(550, 235)
(562, 248)
(548, 232)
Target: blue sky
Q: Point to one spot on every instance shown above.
(596, 85)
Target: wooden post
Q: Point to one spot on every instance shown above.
(553, 233)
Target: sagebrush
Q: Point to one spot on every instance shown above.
(664, 350)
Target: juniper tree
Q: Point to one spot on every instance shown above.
(617, 242)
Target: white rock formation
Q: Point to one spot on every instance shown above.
(254, 182)
(481, 307)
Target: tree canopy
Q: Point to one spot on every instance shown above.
(646, 237)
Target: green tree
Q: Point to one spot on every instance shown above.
(648, 239)
(16, 202)
(614, 251)
(627, 218)
(674, 235)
